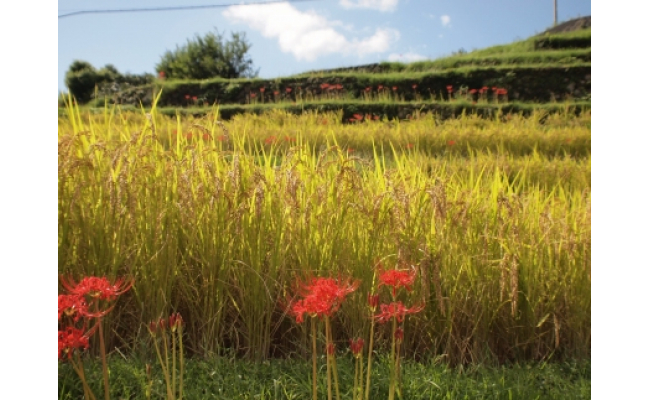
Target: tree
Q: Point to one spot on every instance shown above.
(208, 57)
(81, 79)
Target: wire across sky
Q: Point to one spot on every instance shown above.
(177, 8)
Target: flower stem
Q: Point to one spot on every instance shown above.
(329, 362)
(372, 331)
(79, 369)
(391, 387)
(313, 358)
(173, 335)
(102, 351)
(180, 351)
(328, 333)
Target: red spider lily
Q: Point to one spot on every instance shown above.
(396, 279)
(221, 138)
(399, 334)
(175, 321)
(449, 88)
(275, 93)
(97, 287)
(451, 142)
(415, 86)
(187, 97)
(409, 146)
(194, 98)
(262, 89)
(321, 297)
(289, 139)
(270, 140)
(472, 91)
(503, 91)
(358, 117)
(350, 150)
(331, 348)
(339, 86)
(485, 88)
(396, 310)
(75, 306)
(376, 117)
(373, 301)
(380, 87)
(288, 90)
(394, 88)
(368, 89)
(252, 95)
(70, 339)
(356, 345)
(324, 85)
(206, 136)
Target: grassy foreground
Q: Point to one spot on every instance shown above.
(229, 378)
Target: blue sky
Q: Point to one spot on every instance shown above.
(289, 38)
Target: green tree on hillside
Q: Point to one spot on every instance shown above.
(208, 57)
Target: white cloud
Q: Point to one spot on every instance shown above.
(446, 20)
(307, 35)
(406, 57)
(381, 5)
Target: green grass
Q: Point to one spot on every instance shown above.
(232, 378)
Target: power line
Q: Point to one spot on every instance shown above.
(177, 8)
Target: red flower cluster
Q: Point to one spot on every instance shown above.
(173, 322)
(96, 287)
(69, 339)
(322, 297)
(396, 278)
(356, 345)
(397, 310)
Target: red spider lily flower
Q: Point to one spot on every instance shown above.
(153, 327)
(415, 86)
(358, 117)
(289, 139)
(252, 95)
(368, 89)
(206, 136)
(451, 142)
(399, 334)
(275, 93)
(71, 305)
(331, 348)
(396, 278)
(409, 146)
(324, 85)
(373, 301)
(324, 122)
(380, 87)
(161, 74)
(70, 339)
(321, 297)
(270, 140)
(350, 150)
(376, 117)
(504, 91)
(262, 89)
(494, 88)
(194, 98)
(485, 88)
(97, 287)
(221, 138)
(288, 90)
(396, 310)
(449, 88)
(472, 91)
(356, 345)
(175, 321)
(187, 97)
(394, 88)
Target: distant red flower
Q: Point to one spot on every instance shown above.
(221, 138)
(161, 74)
(188, 135)
(96, 287)
(450, 88)
(376, 117)
(494, 88)
(396, 310)
(270, 140)
(356, 345)
(275, 93)
(70, 339)
(396, 278)
(288, 90)
(194, 98)
(485, 88)
(262, 89)
(380, 87)
(373, 301)
(206, 136)
(409, 146)
(324, 85)
(350, 150)
(321, 297)
(289, 139)
(331, 348)
(358, 117)
(394, 88)
(415, 86)
(339, 86)
(368, 89)
(399, 334)
(450, 142)
(472, 91)
(252, 95)
(187, 97)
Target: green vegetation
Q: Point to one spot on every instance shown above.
(232, 378)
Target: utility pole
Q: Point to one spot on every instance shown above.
(554, 12)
